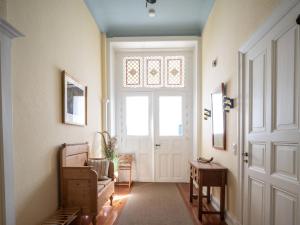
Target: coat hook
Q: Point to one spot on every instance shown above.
(228, 103)
(207, 114)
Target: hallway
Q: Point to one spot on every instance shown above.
(171, 84)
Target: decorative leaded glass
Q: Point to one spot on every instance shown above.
(153, 71)
(174, 76)
(132, 68)
(148, 71)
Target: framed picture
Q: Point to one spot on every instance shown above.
(74, 101)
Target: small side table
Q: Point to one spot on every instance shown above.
(209, 175)
(125, 164)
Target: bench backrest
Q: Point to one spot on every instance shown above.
(74, 154)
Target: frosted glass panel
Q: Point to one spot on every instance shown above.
(137, 115)
(170, 116)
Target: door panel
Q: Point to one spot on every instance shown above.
(285, 78)
(258, 81)
(172, 137)
(257, 159)
(256, 206)
(286, 161)
(272, 135)
(136, 133)
(284, 209)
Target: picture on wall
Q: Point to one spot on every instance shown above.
(74, 101)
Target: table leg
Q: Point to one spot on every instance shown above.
(208, 194)
(191, 189)
(222, 203)
(200, 206)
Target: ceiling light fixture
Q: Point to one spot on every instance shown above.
(150, 2)
(151, 11)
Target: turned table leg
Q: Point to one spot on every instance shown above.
(208, 194)
(222, 203)
(191, 189)
(200, 195)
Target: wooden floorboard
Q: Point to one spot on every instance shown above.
(109, 214)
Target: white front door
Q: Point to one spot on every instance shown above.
(172, 137)
(155, 127)
(154, 113)
(272, 129)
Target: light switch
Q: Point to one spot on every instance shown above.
(234, 148)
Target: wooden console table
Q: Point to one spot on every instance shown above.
(209, 175)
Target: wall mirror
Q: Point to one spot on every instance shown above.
(218, 118)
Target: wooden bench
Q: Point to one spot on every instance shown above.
(63, 217)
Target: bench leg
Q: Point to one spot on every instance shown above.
(111, 198)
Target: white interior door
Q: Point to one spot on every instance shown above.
(272, 131)
(172, 137)
(137, 133)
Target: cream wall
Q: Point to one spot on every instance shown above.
(59, 35)
(104, 66)
(3, 9)
(229, 25)
(2, 15)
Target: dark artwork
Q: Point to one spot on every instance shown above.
(71, 93)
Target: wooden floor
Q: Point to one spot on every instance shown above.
(109, 214)
(207, 219)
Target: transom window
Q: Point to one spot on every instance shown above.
(153, 72)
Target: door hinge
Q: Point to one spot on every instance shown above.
(298, 20)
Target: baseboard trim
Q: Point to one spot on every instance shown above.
(229, 219)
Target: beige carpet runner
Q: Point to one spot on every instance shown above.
(155, 204)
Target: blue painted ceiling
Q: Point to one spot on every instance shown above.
(125, 18)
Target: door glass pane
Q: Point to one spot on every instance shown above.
(137, 115)
(170, 116)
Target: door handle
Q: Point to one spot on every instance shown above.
(157, 145)
(245, 154)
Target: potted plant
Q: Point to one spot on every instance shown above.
(110, 147)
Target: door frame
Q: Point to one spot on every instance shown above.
(183, 43)
(7, 34)
(281, 11)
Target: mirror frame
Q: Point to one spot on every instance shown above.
(220, 89)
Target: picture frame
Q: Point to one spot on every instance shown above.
(74, 101)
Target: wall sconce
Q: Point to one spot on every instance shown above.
(207, 114)
(228, 103)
